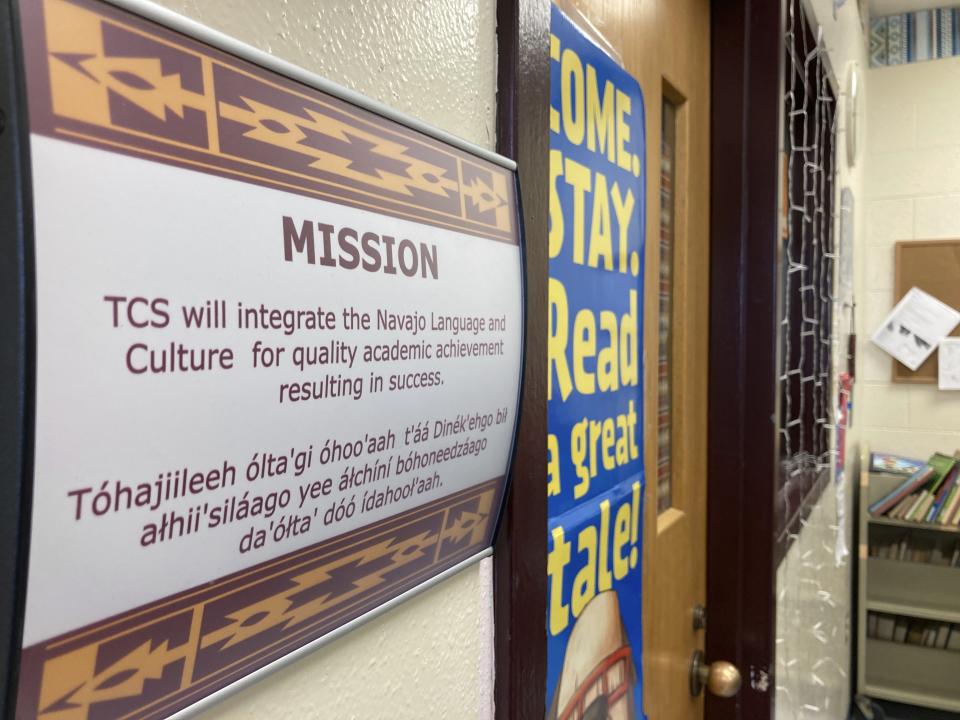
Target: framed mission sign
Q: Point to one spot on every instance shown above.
(263, 342)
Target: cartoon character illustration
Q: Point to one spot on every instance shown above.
(597, 678)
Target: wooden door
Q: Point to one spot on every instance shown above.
(665, 44)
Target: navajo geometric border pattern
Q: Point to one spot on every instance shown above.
(914, 37)
(100, 76)
(155, 660)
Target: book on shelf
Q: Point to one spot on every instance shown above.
(948, 483)
(913, 631)
(943, 632)
(924, 549)
(953, 641)
(936, 555)
(897, 498)
(896, 464)
(924, 500)
(943, 466)
(900, 626)
(950, 503)
(949, 515)
(905, 498)
(923, 495)
(885, 626)
(903, 507)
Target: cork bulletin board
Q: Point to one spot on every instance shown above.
(934, 267)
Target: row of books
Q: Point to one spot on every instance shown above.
(913, 631)
(918, 550)
(929, 494)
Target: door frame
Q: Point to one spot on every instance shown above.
(746, 69)
(746, 62)
(520, 548)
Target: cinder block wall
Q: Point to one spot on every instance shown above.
(912, 192)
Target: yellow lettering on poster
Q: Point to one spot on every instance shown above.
(553, 465)
(600, 117)
(611, 552)
(558, 559)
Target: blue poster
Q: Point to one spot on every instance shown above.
(595, 479)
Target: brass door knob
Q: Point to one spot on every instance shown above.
(721, 678)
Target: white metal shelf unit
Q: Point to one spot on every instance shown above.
(899, 671)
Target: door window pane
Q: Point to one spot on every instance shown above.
(668, 153)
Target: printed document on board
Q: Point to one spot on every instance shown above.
(915, 327)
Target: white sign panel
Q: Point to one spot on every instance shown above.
(279, 347)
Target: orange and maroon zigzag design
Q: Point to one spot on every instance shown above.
(104, 77)
(157, 659)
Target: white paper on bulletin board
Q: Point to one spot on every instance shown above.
(949, 364)
(914, 328)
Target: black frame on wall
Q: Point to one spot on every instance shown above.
(17, 352)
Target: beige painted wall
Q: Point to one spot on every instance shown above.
(912, 192)
(436, 60)
(428, 658)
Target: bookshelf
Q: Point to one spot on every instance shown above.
(914, 592)
(911, 525)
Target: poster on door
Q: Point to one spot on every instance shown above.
(595, 481)
(279, 342)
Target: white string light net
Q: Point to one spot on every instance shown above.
(806, 376)
(812, 651)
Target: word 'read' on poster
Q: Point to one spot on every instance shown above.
(279, 348)
(595, 479)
